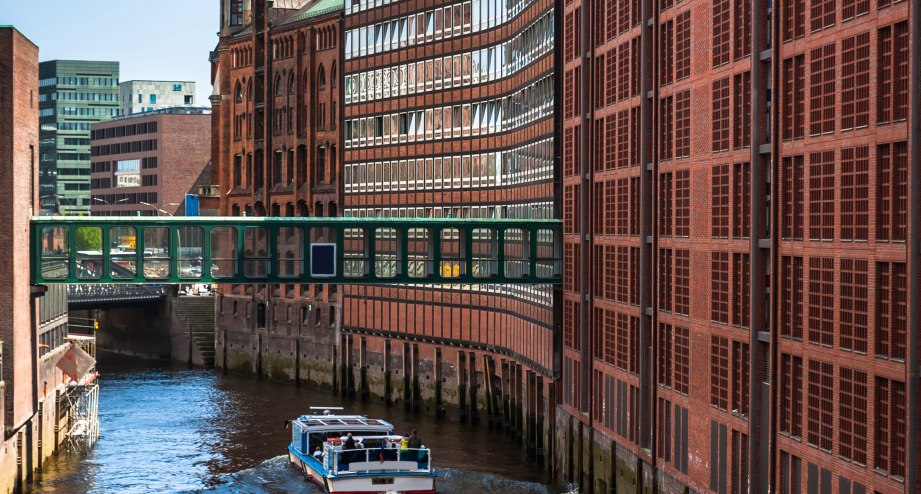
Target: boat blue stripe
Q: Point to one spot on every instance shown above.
(324, 472)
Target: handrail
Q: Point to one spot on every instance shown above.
(422, 457)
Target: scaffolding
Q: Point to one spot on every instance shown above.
(82, 402)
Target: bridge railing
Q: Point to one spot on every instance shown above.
(295, 250)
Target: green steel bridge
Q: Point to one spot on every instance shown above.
(238, 250)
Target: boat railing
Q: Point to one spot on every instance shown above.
(382, 459)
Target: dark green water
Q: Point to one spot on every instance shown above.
(167, 429)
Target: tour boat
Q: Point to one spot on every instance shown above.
(376, 464)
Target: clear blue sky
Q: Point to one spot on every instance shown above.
(152, 39)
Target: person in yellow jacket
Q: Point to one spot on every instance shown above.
(404, 443)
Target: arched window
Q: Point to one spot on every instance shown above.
(249, 90)
(291, 83)
(238, 93)
(332, 75)
(279, 88)
(321, 77)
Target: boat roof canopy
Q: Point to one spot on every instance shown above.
(328, 422)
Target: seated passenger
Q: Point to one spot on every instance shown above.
(318, 453)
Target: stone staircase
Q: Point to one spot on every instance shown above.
(197, 315)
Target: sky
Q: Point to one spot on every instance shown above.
(151, 39)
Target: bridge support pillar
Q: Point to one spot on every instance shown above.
(365, 391)
(417, 389)
(388, 371)
(474, 410)
(407, 382)
(462, 385)
(439, 405)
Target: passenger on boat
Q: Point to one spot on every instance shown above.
(318, 453)
(404, 443)
(414, 441)
(349, 442)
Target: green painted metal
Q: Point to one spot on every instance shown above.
(235, 250)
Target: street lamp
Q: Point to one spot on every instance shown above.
(157, 208)
(107, 203)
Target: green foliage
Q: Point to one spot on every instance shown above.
(89, 238)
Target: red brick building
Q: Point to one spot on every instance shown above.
(739, 187)
(449, 112)
(147, 162)
(33, 410)
(275, 148)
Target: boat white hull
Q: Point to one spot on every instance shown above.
(366, 483)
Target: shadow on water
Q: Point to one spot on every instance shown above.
(167, 428)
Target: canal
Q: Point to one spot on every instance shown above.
(166, 428)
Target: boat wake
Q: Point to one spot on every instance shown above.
(277, 476)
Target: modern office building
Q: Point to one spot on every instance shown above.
(449, 112)
(144, 96)
(72, 95)
(740, 190)
(275, 153)
(148, 162)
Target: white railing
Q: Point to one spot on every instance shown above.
(377, 459)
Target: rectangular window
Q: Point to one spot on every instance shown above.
(719, 287)
(892, 191)
(820, 405)
(741, 294)
(683, 45)
(720, 32)
(741, 193)
(822, 195)
(740, 375)
(821, 301)
(855, 81)
(683, 124)
(666, 53)
(682, 359)
(791, 474)
(665, 279)
(742, 12)
(666, 351)
(721, 107)
(791, 395)
(682, 282)
(854, 311)
(791, 217)
(855, 193)
(666, 204)
(794, 95)
(853, 419)
(794, 19)
(890, 428)
(666, 128)
(822, 14)
(891, 310)
(791, 297)
(853, 8)
(719, 207)
(719, 372)
(822, 90)
(682, 203)
(892, 73)
(741, 118)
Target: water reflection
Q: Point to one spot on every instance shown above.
(167, 428)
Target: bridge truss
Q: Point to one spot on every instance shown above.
(88, 250)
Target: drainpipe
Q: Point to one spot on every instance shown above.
(914, 253)
(584, 188)
(647, 169)
(759, 335)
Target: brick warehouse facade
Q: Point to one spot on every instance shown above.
(275, 149)
(448, 112)
(148, 162)
(740, 303)
(33, 408)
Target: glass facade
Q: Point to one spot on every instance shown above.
(72, 96)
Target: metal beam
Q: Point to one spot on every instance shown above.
(445, 251)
